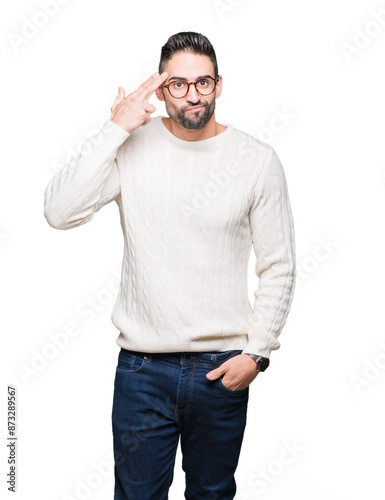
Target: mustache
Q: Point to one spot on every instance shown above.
(192, 105)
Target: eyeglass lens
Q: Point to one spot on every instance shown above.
(180, 88)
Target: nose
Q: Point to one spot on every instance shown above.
(192, 94)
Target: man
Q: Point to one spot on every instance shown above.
(194, 195)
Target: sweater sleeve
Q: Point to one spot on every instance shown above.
(271, 223)
(88, 182)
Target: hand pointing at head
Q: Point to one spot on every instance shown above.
(133, 111)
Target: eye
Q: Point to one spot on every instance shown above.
(203, 83)
(178, 85)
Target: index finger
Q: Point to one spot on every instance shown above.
(153, 83)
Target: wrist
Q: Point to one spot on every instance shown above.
(261, 361)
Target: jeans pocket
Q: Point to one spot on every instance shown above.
(229, 355)
(239, 391)
(131, 363)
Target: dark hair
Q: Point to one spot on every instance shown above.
(187, 41)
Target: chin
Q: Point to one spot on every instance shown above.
(192, 126)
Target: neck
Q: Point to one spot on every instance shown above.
(211, 129)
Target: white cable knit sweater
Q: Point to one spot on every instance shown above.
(190, 212)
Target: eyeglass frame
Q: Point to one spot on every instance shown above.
(216, 80)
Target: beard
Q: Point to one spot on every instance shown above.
(192, 120)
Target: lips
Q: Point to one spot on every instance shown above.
(195, 108)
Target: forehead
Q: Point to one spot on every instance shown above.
(189, 65)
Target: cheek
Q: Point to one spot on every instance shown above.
(176, 107)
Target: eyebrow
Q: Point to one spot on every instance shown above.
(185, 79)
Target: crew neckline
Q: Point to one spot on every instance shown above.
(204, 143)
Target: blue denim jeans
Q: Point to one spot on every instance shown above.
(159, 396)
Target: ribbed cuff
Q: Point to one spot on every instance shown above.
(113, 135)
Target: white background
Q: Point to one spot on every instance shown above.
(323, 393)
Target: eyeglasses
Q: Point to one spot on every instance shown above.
(180, 88)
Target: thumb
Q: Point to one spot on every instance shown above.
(214, 374)
(119, 98)
(121, 95)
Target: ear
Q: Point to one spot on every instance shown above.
(159, 94)
(218, 87)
